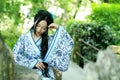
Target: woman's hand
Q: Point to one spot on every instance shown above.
(40, 65)
(53, 26)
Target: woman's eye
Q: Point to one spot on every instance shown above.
(38, 25)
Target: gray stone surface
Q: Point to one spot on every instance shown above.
(23, 73)
(74, 72)
(107, 67)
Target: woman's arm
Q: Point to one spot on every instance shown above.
(18, 51)
(53, 26)
(20, 57)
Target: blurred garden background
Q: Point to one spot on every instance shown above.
(93, 24)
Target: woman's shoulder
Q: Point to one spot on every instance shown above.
(24, 35)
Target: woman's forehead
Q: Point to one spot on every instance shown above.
(43, 23)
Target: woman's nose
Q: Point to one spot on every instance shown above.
(39, 28)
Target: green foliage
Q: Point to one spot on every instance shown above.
(10, 8)
(69, 4)
(11, 36)
(107, 14)
(114, 1)
(11, 19)
(100, 36)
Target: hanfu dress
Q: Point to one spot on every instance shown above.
(27, 52)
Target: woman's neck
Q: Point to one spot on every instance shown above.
(35, 36)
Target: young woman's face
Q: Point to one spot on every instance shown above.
(41, 27)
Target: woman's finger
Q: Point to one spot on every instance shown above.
(41, 65)
(53, 26)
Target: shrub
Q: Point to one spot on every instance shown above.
(107, 14)
(100, 36)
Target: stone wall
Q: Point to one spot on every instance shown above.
(107, 67)
(6, 62)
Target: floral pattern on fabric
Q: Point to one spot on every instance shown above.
(60, 49)
(27, 53)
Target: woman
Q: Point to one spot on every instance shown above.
(32, 47)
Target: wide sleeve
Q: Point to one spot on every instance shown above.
(60, 49)
(60, 28)
(18, 51)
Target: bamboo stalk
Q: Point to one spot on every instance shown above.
(89, 44)
(82, 56)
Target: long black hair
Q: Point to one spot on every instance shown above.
(43, 15)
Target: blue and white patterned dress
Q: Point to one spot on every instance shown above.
(27, 52)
